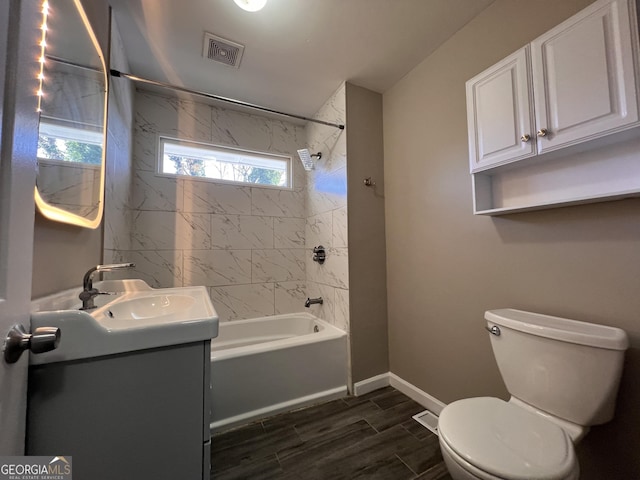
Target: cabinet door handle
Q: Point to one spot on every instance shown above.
(525, 138)
(542, 132)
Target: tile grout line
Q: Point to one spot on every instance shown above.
(405, 464)
(279, 462)
(410, 432)
(437, 465)
(374, 428)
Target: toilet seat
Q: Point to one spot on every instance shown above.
(505, 441)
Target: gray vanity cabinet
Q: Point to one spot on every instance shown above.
(139, 415)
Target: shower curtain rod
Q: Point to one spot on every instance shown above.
(135, 78)
(73, 64)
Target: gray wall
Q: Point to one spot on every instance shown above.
(61, 255)
(367, 256)
(446, 267)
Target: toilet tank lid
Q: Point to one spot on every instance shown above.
(563, 329)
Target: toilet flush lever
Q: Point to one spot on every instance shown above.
(495, 330)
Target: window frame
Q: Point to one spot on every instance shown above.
(162, 139)
(70, 132)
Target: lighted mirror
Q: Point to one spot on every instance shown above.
(72, 107)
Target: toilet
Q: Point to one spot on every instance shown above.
(563, 376)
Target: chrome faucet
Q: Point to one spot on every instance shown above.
(313, 301)
(88, 292)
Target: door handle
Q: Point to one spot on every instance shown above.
(43, 339)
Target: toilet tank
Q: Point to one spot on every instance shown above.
(567, 368)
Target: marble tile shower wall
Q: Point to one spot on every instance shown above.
(117, 214)
(326, 217)
(245, 243)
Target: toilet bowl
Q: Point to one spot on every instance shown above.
(563, 377)
(487, 438)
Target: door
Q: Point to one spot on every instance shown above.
(583, 76)
(499, 114)
(18, 139)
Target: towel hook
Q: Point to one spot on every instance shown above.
(368, 182)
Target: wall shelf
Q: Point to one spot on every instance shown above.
(610, 172)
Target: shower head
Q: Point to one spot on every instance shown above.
(306, 158)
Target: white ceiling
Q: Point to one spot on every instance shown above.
(297, 52)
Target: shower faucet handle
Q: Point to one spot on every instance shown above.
(319, 254)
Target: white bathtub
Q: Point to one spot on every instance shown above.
(267, 365)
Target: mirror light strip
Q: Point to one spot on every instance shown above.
(43, 45)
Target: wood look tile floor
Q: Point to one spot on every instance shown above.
(367, 437)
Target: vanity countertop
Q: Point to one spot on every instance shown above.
(134, 317)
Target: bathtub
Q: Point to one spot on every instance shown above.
(267, 365)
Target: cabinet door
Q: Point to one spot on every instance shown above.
(499, 114)
(583, 76)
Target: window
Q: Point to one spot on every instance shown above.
(190, 159)
(69, 142)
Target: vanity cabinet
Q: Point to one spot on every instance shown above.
(129, 416)
(544, 116)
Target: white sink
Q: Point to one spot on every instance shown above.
(151, 308)
(137, 317)
(68, 299)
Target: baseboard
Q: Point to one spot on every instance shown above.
(360, 388)
(370, 384)
(385, 379)
(244, 418)
(423, 398)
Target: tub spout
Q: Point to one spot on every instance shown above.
(313, 301)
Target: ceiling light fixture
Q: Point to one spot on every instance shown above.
(251, 5)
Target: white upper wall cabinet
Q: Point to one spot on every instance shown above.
(498, 114)
(583, 76)
(546, 123)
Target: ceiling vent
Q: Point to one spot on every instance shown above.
(222, 50)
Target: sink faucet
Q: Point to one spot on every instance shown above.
(313, 301)
(88, 292)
